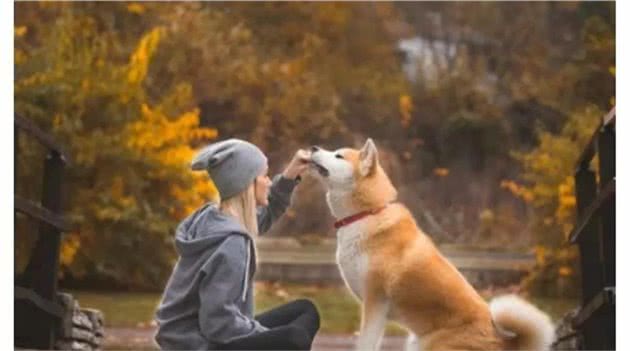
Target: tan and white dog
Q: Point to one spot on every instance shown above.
(397, 273)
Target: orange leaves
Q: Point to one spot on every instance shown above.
(69, 248)
(20, 31)
(565, 271)
(441, 172)
(405, 107)
(541, 253)
(136, 8)
(549, 186)
(518, 190)
(201, 190)
(566, 204)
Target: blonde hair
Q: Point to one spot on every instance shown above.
(242, 206)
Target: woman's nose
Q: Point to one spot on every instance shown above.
(315, 148)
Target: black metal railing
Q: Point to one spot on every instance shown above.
(37, 312)
(594, 234)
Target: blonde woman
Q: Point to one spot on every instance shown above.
(208, 300)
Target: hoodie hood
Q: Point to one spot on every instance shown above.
(208, 300)
(205, 228)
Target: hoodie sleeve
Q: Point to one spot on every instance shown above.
(220, 319)
(279, 199)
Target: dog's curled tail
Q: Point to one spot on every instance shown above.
(530, 328)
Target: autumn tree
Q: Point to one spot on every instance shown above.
(129, 181)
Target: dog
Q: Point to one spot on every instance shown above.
(397, 273)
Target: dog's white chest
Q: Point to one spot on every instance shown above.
(352, 261)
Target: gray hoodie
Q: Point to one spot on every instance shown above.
(208, 299)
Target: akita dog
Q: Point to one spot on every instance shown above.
(396, 272)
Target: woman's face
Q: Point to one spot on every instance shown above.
(261, 188)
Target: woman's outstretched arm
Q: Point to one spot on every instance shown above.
(279, 199)
(281, 190)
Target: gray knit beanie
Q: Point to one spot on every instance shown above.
(232, 164)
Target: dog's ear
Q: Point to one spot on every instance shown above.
(368, 158)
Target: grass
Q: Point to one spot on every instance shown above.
(555, 307)
(339, 310)
(121, 309)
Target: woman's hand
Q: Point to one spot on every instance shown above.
(298, 164)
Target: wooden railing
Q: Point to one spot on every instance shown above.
(594, 234)
(37, 310)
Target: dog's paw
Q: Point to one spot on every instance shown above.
(365, 345)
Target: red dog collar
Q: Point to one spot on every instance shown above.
(355, 217)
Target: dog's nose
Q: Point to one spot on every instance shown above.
(315, 148)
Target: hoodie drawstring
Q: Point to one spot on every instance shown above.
(247, 267)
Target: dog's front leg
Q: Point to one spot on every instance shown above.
(412, 343)
(373, 320)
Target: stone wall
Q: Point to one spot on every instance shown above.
(328, 273)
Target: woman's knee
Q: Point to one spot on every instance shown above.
(298, 338)
(309, 307)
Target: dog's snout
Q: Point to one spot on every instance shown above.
(315, 148)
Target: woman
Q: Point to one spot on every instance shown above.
(208, 301)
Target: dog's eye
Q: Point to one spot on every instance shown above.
(339, 156)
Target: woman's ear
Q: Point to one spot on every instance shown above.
(368, 158)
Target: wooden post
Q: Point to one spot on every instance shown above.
(588, 242)
(43, 266)
(16, 154)
(606, 145)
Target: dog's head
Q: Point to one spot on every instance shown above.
(356, 172)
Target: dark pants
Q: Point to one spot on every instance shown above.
(291, 327)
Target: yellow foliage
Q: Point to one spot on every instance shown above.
(566, 205)
(20, 31)
(38, 78)
(140, 58)
(155, 130)
(136, 8)
(549, 184)
(167, 141)
(57, 120)
(518, 190)
(541, 253)
(201, 191)
(69, 248)
(19, 56)
(131, 149)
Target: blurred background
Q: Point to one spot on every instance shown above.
(479, 111)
